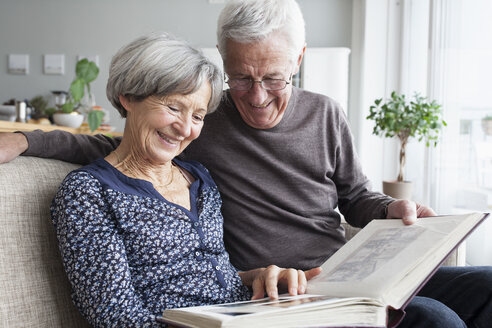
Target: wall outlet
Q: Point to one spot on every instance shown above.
(18, 64)
(54, 64)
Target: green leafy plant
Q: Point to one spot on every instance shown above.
(404, 119)
(40, 105)
(94, 118)
(85, 72)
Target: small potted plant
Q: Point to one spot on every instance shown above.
(70, 114)
(397, 117)
(487, 125)
(40, 113)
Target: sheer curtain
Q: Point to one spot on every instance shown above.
(460, 77)
(443, 50)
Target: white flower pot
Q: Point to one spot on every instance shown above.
(71, 120)
(487, 127)
(398, 190)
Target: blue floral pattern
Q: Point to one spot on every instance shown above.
(130, 254)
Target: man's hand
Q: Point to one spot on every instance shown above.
(11, 145)
(408, 211)
(270, 279)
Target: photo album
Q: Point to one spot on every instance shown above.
(366, 283)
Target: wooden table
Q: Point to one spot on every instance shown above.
(6, 126)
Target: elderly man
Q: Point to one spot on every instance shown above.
(283, 160)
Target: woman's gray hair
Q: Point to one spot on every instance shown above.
(161, 65)
(247, 21)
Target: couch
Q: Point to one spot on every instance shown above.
(34, 291)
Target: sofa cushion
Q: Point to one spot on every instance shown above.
(35, 291)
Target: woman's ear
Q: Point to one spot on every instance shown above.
(125, 102)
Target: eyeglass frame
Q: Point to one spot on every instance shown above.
(252, 82)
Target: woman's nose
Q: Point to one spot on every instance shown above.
(183, 126)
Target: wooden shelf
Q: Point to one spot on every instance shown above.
(6, 126)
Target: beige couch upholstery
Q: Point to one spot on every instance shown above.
(34, 291)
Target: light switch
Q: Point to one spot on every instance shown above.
(54, 64)
(18, 64)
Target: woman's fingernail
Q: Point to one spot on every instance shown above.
(302, 289)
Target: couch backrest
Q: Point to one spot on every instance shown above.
(34, 290)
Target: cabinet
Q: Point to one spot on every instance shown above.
(326, 71)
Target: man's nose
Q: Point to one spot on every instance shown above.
(257, 93)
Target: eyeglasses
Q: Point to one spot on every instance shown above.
(267, 84)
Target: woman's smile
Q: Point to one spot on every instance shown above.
(170, 141)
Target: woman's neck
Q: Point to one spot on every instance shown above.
(169, 180)
(137, 165)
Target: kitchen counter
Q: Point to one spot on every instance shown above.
(7, 126)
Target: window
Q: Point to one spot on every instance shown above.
(460, 76)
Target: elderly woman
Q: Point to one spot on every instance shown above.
(140, 231)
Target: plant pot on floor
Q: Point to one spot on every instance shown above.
(487, 126)
(398, 189)
(71, 120)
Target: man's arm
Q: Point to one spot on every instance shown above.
(73, 148)
(357, 202)
(11, 146)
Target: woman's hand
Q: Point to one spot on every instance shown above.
(271, 278)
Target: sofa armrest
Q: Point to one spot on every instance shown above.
(35, 291)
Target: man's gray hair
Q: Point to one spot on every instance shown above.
(160, 65)
(247, 21)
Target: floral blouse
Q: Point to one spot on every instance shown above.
(130, 254)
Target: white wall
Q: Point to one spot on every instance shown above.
(101, 27)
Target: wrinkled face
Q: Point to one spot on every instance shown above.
(266, 59)
(161, 128)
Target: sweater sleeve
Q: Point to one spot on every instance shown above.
(94, 256)
(68, 147)
(356, 200)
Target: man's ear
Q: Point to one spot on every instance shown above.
(223, 63)
(299, 60)
(125, 102)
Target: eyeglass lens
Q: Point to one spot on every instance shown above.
(267, 84)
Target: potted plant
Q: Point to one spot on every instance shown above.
(487, 125)
(40, 113)
(397, 117)
(70, 115)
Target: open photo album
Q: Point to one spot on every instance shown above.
(366, 283)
